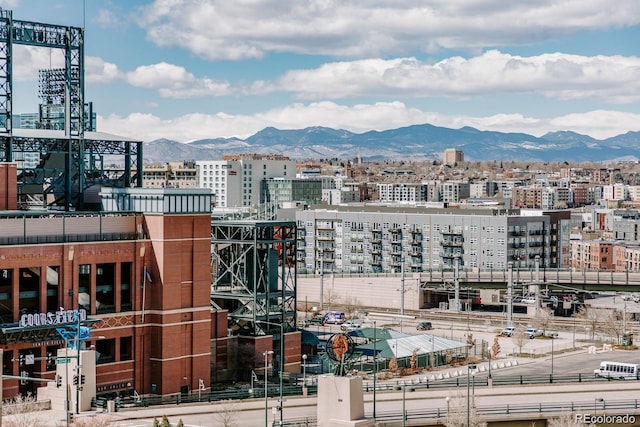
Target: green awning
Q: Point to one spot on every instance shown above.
(309, 338)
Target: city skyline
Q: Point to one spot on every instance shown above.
(192, 69)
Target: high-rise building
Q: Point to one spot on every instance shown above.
(451, 156)
(236, 180)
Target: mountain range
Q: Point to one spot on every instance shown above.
(418, 142)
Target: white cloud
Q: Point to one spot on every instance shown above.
(609, 79)
(173, 81)
(352, 28)
(356, 118)
(28, 60)
(97, 71)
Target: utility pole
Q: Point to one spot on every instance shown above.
(456, 283)
(375, 369)
(510, 294)
(322, 280)
(402, 287)
(78, 366)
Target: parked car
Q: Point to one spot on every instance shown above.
(315, 320)
(551, 334)
(528, 300)
(508, 331)
(350, 325)
(424, 326)
(533, 332)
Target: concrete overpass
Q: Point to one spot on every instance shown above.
(386, 290)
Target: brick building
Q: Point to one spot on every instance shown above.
(141, 271)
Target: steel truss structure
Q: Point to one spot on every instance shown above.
(77, 162)
(253, 268)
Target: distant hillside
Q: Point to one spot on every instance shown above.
(418, 142)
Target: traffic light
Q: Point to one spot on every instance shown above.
(75, 380)
(21, 359)
(58, 381)
(82, 379)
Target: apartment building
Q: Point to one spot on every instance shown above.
(402, 192)
(170, 175)
(592, 255)
(453, 191)
(387, 239)
(236, 181)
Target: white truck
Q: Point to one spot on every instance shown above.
(533, 332)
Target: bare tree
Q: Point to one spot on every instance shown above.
(458, 412)
(351, 305)
(331, 298)
(23, 411)
(227, 413)
(542, 319)
(520, 337)
(591, 317)
(495, 348)
(613, 324)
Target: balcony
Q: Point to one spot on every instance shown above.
(325, 237)
(456, 243)
(324, 227)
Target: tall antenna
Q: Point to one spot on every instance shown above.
(83, 14)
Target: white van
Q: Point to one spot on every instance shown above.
(335, 317)
(618, 370)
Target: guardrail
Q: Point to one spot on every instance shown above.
(509, 409)
(592, 407)
(274, 391)
(480, 381)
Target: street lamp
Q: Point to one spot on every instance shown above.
(447, 399)
(404, 406)
(375, 369)
(469, 368)
(266, 394)
(473, 388)
(322, 280)
(552, 356)
(595, 405)
(281, 326)
(304, 371)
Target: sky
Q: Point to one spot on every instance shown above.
(194, 69)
